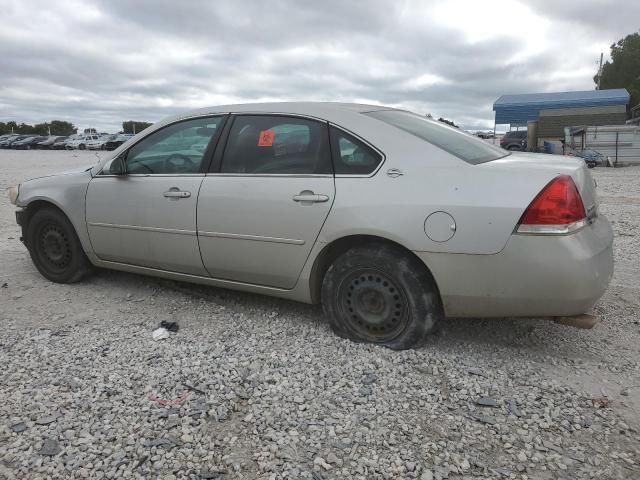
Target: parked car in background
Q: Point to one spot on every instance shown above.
(302, 201)
(485, 135)
(117, 141)
(6, 143)
(7, 136)
(27, 143)
(17, 144)
(81, 142)
(99, 144)
(59, 143)
(47, 142)
(72, 138)
(515, 140)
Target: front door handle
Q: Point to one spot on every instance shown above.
(175, 193)
(308, 196)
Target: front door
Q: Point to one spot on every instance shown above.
(147, 217)
(260, 214)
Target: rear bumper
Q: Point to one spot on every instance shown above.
(533, 276)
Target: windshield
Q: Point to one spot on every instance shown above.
(466, 147)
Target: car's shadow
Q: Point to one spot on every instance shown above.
(536, 336)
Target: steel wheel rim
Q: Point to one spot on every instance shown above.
(372, 305)
(54, 247)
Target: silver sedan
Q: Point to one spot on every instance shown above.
(392, 221)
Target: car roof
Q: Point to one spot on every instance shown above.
(325, 110)
(309, 108)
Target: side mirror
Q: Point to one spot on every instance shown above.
(118, 166)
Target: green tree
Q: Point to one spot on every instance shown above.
(25, 128)
(132, 126)
(623, 71)
(57, 127)
(62, 128)
(41, 129)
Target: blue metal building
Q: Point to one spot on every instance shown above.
(517, 110)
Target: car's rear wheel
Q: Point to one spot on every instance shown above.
(82, 146)
(55, 248)
(379, 294)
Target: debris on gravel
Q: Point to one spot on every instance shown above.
(242, 392)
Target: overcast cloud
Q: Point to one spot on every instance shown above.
(99, 62)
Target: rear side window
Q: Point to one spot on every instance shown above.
(466, 147)
(275, 144)
(352, 156)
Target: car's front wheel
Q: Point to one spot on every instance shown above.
(55, 248)
(379, 294)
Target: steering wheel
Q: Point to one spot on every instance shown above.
(177, 162)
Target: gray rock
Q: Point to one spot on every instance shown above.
(46, 420)
(50, 447)
(18, 427)
(513, 408)
(426, 475)
(487, 402)
(160, 442)
(370, 378)
(482, 418)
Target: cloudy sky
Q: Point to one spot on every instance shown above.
(99, 62)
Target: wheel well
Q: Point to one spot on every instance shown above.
(34, 207)
(336, 248)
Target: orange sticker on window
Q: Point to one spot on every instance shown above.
(265, 139)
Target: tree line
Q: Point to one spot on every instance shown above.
(63, 128)
(56, 127)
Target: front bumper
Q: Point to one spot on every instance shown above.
(20, 217)
(533, 276)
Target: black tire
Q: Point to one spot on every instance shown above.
(379, 294)
(82, 146)
(55, 248)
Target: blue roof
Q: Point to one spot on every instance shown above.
(518, 109)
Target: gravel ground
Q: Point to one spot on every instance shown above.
(254, 387)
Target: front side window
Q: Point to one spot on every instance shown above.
(352, 156)
(177, 149)
(466, 147)
(275, 144)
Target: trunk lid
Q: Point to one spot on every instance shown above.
(554, 165)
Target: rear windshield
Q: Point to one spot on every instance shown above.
(466, 147)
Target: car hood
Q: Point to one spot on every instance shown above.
(77, 171)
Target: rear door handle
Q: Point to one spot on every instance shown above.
(310, 197)
(176, 194)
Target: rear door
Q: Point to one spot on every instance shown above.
(261, 209)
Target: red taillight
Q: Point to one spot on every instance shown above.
(558, 208)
